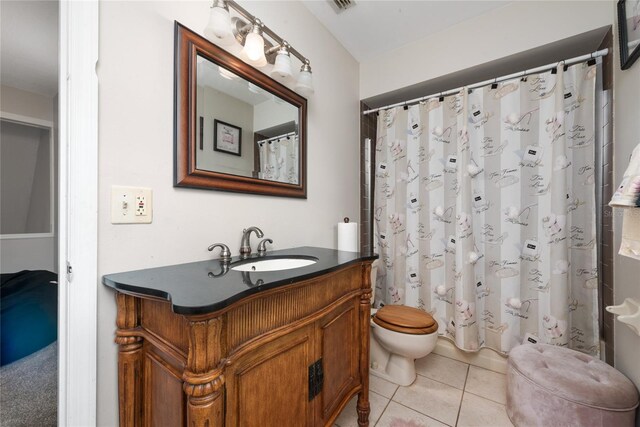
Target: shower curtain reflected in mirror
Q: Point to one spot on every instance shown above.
(279, 159)
(485, 211)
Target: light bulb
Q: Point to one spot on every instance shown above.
(218, 30)
(282, 67)
(304, 85)
(253, 51)
(254, 46)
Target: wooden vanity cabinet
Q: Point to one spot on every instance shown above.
(289, 356)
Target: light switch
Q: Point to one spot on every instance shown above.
(131, 205)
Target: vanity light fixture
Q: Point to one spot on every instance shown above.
(282, 66)
(304, 85)
(218, 30)
(257, 50)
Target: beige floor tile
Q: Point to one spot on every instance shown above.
(478, 412)
(349, 416)
(397, 415)
(432, 398)
(488, 384)
(382, 386)
(443, 369)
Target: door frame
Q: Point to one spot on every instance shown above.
(78, 212)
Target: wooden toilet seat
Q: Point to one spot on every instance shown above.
(407, 320)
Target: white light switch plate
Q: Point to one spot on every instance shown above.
(131, 205)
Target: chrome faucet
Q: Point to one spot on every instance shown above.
(262, 246)
(245, 244)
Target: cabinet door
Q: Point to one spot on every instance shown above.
(339, 348)
(269, 386)
(163, 398)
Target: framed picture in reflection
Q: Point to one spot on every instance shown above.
(227, 138)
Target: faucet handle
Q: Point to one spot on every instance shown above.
(262, 246)
(225, 253)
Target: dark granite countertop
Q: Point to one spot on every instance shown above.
(204, 286)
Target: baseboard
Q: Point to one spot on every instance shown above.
(485, 358)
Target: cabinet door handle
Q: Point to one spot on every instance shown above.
(319, 376)
(312, 381)
(316, 379)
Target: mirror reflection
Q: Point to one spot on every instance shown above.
(242, 129)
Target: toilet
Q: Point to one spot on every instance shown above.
(399, 335)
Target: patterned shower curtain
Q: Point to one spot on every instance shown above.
(485, 211)
(279, 159)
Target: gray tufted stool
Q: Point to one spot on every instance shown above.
(554, 386)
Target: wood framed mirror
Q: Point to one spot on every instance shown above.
(235, 128)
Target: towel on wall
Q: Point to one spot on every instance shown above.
(628, 193)
(628, 196)
(630, 245)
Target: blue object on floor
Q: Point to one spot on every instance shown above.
(28, 313)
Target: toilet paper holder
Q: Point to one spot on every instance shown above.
(628, 313)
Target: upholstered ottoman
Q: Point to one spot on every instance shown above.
(553, 386)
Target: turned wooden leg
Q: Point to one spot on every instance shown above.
(205, 401)
(129, 361)
(204, 375)
(363, 406)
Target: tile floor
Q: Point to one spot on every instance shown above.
(446, 393)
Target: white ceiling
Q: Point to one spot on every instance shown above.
(372, 27)
(208, 74)
(29, 45)
(29, 32)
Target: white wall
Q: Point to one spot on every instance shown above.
(271, 113)
(25, 179)
(20, 147)
(513, 28)
(215, 105)
(39, 216)
(25, 103)
(626, 130)
(28, 254)
(34, 253)
(135, 74)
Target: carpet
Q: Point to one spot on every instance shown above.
(29, 390)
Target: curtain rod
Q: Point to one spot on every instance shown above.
(547, 67)
(273, 138)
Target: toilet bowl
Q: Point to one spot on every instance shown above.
(399, 335)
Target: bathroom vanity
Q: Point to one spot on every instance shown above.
(205, 344)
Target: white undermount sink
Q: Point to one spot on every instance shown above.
(275, 264)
